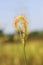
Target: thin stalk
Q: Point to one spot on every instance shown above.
(24, 53)
(23, 49)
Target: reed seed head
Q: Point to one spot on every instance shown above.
(23, 20)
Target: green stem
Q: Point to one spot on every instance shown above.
(25, 56)
(24, 49)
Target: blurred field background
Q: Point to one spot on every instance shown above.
(12, 53)
(11, 47)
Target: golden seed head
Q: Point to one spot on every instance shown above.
(22, 18)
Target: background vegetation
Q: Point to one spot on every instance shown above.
(11, 49)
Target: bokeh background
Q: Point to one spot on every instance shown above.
(11, 47)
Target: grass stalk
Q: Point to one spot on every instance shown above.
(23, 41)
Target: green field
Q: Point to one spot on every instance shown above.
(13, 54)
(12, 50)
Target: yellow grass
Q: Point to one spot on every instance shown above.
(13, 54)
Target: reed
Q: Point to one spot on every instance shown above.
(23, 38)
